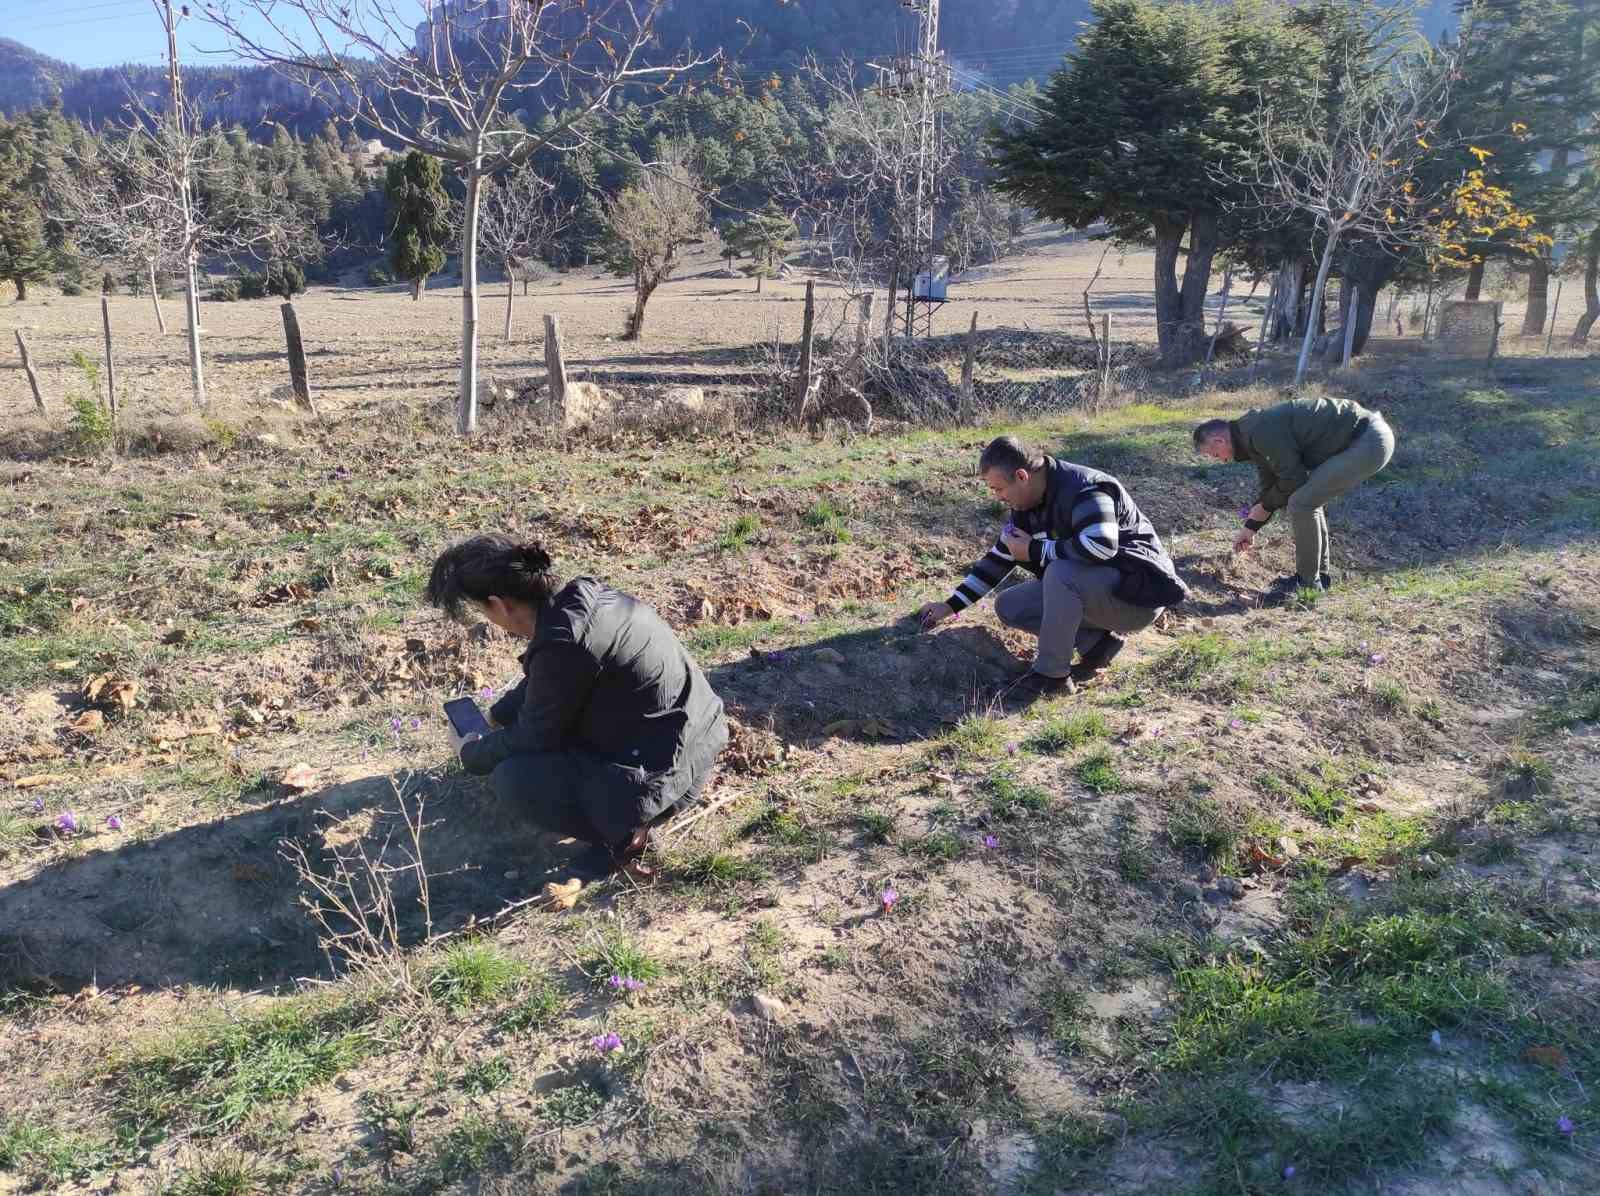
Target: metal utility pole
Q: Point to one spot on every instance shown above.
(923, 81)
(179, 146)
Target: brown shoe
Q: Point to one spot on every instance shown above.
(629, 858)
(1098, 657)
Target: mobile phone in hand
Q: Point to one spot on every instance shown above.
(465, 717)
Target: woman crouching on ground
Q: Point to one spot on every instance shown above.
(613, 726)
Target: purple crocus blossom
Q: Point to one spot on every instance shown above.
(1012, 748)
(1375, 658)
(416, 724)
(67, 822)
(486, 693)
(1564, 1124)
(1288, 1172)
(888, 897)
(114, 822)
(606, 1043)
(990, 841)
(37, 805)
(1244, 512)
(1237, 724)
(395, 724)
(625, 983)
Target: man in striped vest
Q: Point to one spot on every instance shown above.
(1099, 570)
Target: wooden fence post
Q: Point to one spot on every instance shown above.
(808, 334)
(111, 367)
(967, 364)
(299, 383)
(27, 368)
(1105, 343)
(1554, 312)
(555, 365)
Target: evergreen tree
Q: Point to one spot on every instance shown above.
(24, 254)
(1142, 126)
(765, 237)
(419, 218)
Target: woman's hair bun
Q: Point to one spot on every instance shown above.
(534, 558)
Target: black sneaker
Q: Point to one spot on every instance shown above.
(1326, 579)
(1097, 657)
(1289, 588)
(1035, 686)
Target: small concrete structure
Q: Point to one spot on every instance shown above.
(1468, 328)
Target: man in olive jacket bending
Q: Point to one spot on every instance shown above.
(613, 724)
(1308, 452)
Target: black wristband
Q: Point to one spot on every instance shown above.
(1255, 525)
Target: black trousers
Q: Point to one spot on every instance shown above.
(582, 796)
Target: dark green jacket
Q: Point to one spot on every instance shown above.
(606, 677)
(1288, 441)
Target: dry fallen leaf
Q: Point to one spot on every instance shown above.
(1263, 859)
(562, 895)
(1546, 1056)
(300, 778)
(38, 779)
(88, 722)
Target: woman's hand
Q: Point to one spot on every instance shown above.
(457, 742)
(932, 614)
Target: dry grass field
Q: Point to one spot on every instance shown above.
(1293, 901)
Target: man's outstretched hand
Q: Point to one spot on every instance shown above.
(932, 614)
(1244, 541)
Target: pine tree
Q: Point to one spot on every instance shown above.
(419, 218)
(765, 237)
(24, 255)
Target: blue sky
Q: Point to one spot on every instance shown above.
(99, 33)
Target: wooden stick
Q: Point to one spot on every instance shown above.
(555, 364)
(27, 368)
(808, 334)
(679, 825)
(298, 380)
(111, 366)
(1554, 312)
(967, 365)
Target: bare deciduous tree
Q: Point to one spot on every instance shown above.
(1348, 159)
(650, 221)
(520, 222)
(157, 191)
(450, 87)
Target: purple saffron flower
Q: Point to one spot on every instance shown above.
(1375, 658)
(1564, 1124)
(114, 822)
(632, 985)
(67, 822)
(888, 897)
(606, 1043)
(486, 693)
(1244, 512)
(1288, 1172)
(614, 981)
(37, 806)
(990, 841)
(416, 724)
(1012, 748)
(1237, 724)
(395, 724)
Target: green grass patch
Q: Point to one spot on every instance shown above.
(877, 825)
(1215, 666)
(975, 737)
(616, 954)
(941, 846)
(43, 1155)
(1098, 773)
(828, 521)
(1066, 733)
(472, 974)
(1320, 793)
(719, 870)
(483, 1076)
(740, 532)
(539, 1004)
(1198, 822)
(1010, 799)
(207, 1078)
